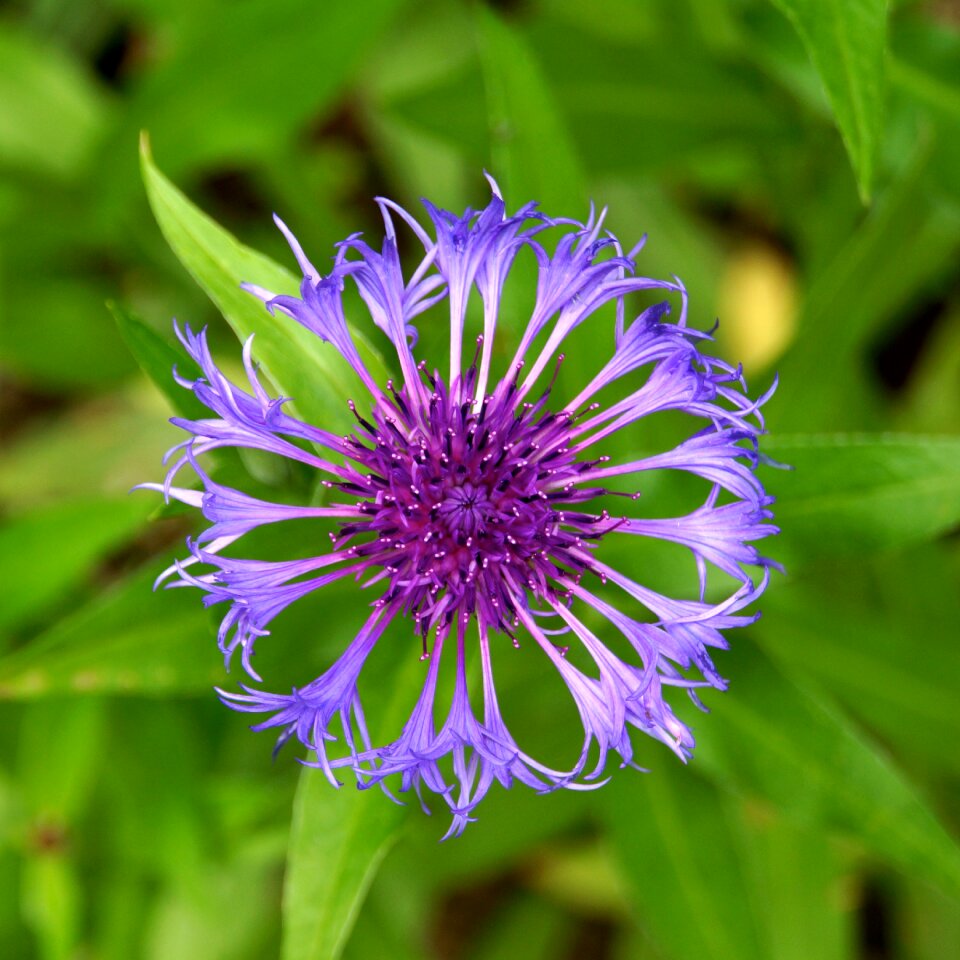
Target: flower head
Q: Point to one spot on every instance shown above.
(471, 505)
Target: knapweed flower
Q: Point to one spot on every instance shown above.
(469, 505)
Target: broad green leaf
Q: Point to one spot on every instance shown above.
(15, 940)
(45, 553)
(864, 651)
(652, 107)
(856, 493)
(292, 71)
(932, 401)
(157, 359)
(162, 825)
(304, 368)
(127, 641)
(123, 899)
(101, 446)
(695, 901)
(923, 66)
(396, 911)
(74, 347)
(221, 916)
(773, 739)
(52, 113)
(338, 840)
(846, 40)
(531, 147)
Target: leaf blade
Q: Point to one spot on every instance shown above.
(523, 116)
(129, 640)
(846, 42)
(348, 832)
(157, 359)
(779, 740)
(850, 493)
(312, 374)
(696, 904)
(48, 551)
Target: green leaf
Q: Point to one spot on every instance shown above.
(795, 875)
(304, 368)
(47, 552)
(865, 287)
(865, 652)
(929, 920)
(651, 106)
(103, 446)
(52, 904)
(532, 150)
(291, 73)
(57, 353)
(772, 739)
(526, 927)
(52, 114)
(846, 40)
(61, 750)
(157, 358)
(338, 840)
(695, 902)
(856, 493)
(129, 640)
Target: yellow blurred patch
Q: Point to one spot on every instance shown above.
(757, 303)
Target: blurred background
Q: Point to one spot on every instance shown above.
(797, 164)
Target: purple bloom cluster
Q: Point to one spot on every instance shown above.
(471, 504)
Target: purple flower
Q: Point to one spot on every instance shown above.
(470, 506)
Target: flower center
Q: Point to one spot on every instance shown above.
(459, 512)
(466, 509)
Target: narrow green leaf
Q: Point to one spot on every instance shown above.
(61, 750)
(871, 279)
(695, 902)
(533, 155)
(797, 876)
(128, 641)
(778, 741)
(51, 896)
(157, 359)
(532, 150)
(855, 493)
(846, 40)
(338, 840)
(304, 368)
(49, 551)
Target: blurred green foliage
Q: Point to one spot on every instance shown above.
(796, 162)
